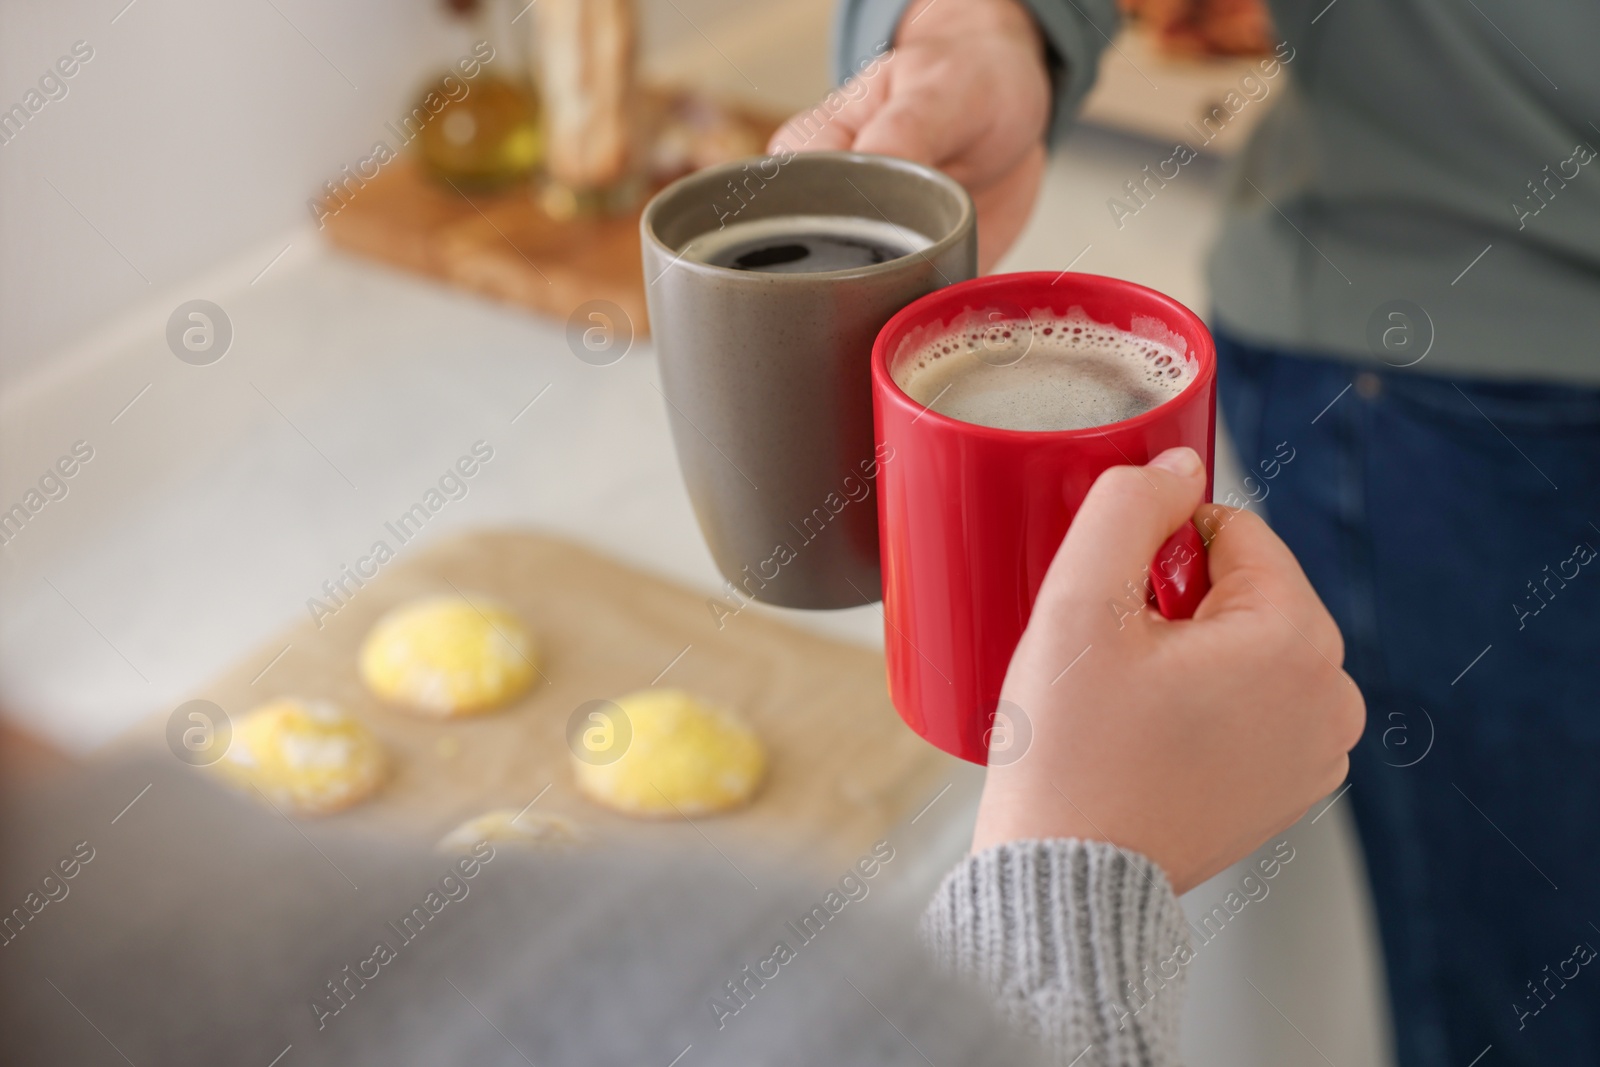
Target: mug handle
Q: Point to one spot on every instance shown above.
(1180, 576)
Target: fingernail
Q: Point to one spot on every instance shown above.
(1182, 461)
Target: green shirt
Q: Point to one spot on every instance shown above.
(1424, 190)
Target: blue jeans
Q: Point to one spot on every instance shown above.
(1453, 528)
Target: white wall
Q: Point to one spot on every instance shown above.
(195, 129)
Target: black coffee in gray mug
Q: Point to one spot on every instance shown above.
(767, 282)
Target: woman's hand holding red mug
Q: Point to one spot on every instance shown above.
(1190, 742)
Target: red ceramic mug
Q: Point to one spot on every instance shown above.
(970, 516)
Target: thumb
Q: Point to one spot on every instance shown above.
(1125, 518)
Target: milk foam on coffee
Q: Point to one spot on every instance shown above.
(1045, 372)
(804, 244)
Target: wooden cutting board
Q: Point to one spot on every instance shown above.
(843, 768)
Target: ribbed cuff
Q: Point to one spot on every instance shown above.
(1081, 943)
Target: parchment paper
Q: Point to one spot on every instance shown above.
(843, 768)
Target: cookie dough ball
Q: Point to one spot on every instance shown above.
(682, 757)
(305, 756)
(509, 827)
(446, 656)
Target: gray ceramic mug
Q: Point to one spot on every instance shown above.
(767, 377)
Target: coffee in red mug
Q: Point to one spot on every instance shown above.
(997, 403)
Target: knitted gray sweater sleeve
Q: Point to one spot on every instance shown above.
(1082, 944)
